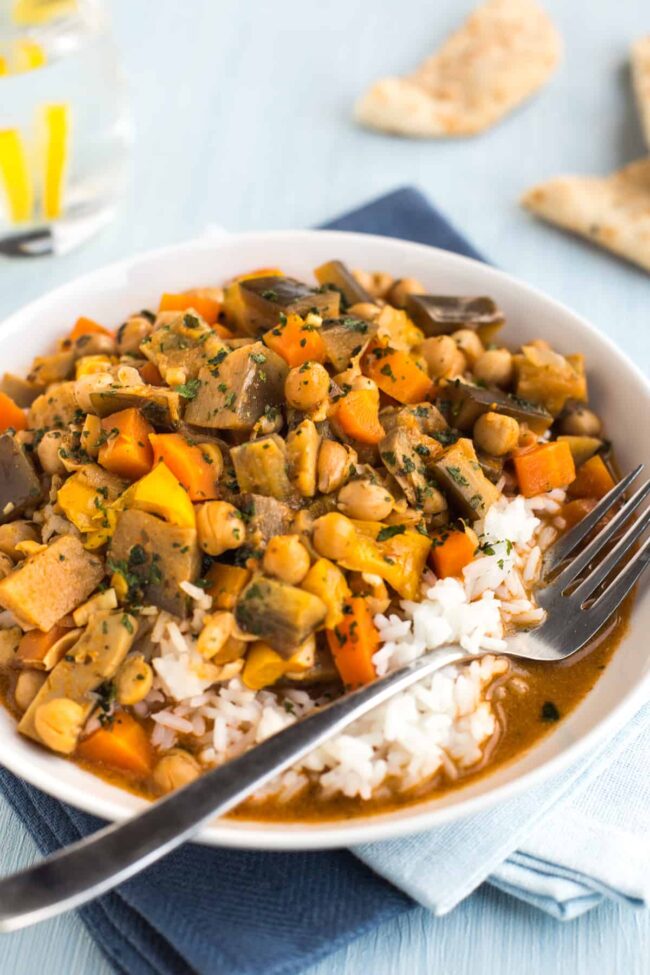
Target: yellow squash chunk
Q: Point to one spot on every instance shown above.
(160, 493)
(326, 580)
(395, 553)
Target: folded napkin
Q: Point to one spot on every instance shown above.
(202, 911)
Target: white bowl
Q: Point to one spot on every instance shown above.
(618, 390)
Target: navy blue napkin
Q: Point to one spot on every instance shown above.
(227, 912)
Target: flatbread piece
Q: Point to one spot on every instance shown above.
(501, 55)
(641, 82)
(612, 211)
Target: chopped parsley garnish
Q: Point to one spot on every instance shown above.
(189, 389)
(389, 531)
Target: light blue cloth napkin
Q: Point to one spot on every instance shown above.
(563, 846)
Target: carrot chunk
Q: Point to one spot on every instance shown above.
(86, 326)
(11, 414)
(593, 480)
(574, 511)
(207, 307)
(123, 744)
(357, 414)
(397, 374)
(150, 375)
(451, 552)
(192, 466)
(354, 642)
(127, 451)
(296, 342)
(545, 468)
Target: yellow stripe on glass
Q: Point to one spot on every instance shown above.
(15, 176)
(57, 154)
(28, 55)
(3, 66)
(28, 13)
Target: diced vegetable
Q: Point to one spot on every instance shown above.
(53, 368)
(207, 307)
(121, 744)
(238, 389)
(180, 348)
(43, 651)
(265, 517)
(127, 451)
(159, 406)
(11, 415)
(303, 444)
(255, 304)
(353, 643)
(160, 493)
(452, 551)
(394, 552)
(150, 559)
(550, 379)
(465, 403)
(20, 390)
(264, 666)
(51, 583)
(341, 279)
(357, 414)
(197, 467)
(280, 614)
(345, 338)
(592, 480)
(56, 408)
(581, 447)
(442, 314)
(409, 455)
(326, 581)
(261, 467)
(150, 374)
(87, 505)
(574, 511)
(296, 341)
(397, 374)
(461, 477)
(546, 467)
(86, 326)
(19, 483)
(225, 583)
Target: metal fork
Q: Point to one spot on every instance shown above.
(98, 863)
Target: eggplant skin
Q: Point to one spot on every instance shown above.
(255, 305)
(19, 483)
(443, 314)
(338, 276)
(278, 613)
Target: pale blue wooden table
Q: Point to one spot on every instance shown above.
(243, 119)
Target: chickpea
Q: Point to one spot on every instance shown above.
(581, 422)
(217, 628)
(13, 534)
(176, 769)
(129, 335)
(401, 289)
(365, 310)
(334, 463)
(212, 456)
(220, 527)
(443, 357)
(333, 536)
(469, 344)
(364, 278)
(48, 452)
(306, 386)
(6, 565)
(382, 282)
(286, 558)
(94, 343)
(495, 368)
(58, 724)
(134, 680)
(365, 500)
(496, 434)
(28, 685)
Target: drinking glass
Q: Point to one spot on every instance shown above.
(64, 124)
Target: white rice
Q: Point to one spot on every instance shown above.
(441, 725)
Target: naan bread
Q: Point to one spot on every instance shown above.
(641, 82)
(504, 52)
(612, 211)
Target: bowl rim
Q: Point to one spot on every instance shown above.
(253, 834)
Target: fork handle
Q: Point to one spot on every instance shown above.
(99, 862)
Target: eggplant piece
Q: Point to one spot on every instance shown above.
(181, 347)
(54, 409)
(491, 466)
(155, 557)
(409, 456)
(423, 417)
(261, 467)
(51, 583)
(463, 404)
(94, 659)
(443, 314)
(303, 444)
(582, 447)
(22, 391)
(53, 368)
(344, 338)
(459, 473)
(282, 615)
(549, 379)
(255, 305)
(235, 393)
(160, 406)
(19, 483)
(265, 517)
(341, 279)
